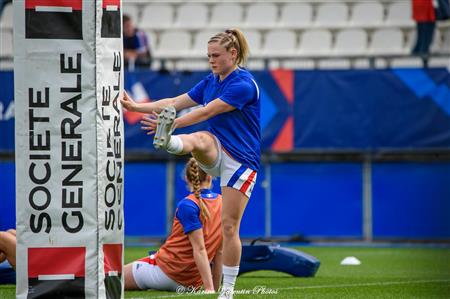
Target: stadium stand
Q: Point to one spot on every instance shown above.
(157, 16)
(131, 10)
(399, 14)
(301, 34)
(226, 15)
(6, 20)
(200, 40)
(173, 44)
(193, 16)
(387, 41)
(6, 49)
(332, 15)
(350, 42)
(296, 15)
(367, 14)
(280, 42)
(7, 42)
(315, 42)
(261, 15)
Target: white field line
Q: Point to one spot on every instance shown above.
(367, 284)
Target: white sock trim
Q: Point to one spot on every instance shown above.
(175, 145)
(230, 270)
(229, 276)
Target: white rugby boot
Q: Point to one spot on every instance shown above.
(164, 127)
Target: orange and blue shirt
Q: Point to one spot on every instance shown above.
(175, 257)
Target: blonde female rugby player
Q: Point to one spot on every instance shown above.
(231, 146)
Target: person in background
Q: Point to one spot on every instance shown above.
(3, 4)
(136, 47)
(424, 14)
(195, 243)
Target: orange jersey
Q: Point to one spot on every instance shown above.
(175, 257)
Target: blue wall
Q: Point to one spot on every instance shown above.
(358, 110)
(7, 195)
(410, 200)
(317, 199)
(144, 199)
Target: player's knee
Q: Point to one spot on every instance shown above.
(203, 141)
(229, 229)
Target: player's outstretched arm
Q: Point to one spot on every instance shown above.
(201, 258)
(213, 108)
(180, 102)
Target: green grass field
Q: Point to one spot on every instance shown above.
(384, 273)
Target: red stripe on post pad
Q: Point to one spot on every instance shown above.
(56, 261)
(113, 257)
(74, 4)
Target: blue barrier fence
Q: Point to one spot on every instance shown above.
(360, 111)
(409, 200)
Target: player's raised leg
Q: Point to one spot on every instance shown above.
(203, 145)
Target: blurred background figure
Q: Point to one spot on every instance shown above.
(2, 5)
(136, 47)
(442, 10)
(425, 17)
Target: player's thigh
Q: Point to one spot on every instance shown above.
(8, 243)
(233, 206)
(130, 283)
(207, 150)
(148, 276)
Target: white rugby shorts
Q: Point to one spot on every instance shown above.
(150, 276)
(232, 173)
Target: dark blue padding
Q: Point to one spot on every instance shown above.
(276, 258)
(7, 273)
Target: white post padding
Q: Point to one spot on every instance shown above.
(68, 77)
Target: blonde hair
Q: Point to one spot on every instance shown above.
(195, 176)
(233, 38)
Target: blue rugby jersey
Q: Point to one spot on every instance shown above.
(188, 212)
(239, 130)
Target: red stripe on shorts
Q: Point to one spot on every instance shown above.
(248, 182)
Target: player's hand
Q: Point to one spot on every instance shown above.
(128, 103)
(149, 123)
